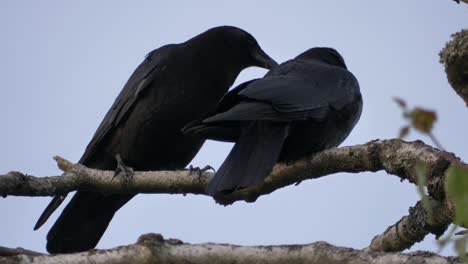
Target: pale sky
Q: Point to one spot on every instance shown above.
(63, 63)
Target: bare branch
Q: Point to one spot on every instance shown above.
(395, 156)
(79, 177)
(414, 227)
(152, 248)
(455, 59)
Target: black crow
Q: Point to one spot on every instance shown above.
(174, 85)
(303, 106)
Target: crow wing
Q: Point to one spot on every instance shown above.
(146, 72)
(142, 77)
(300, 90)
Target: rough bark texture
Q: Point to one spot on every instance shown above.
(78, 177)
(5, 252)
(414, 227)
(455, 59)
(395, 156)
(152, 248)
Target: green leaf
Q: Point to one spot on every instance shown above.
(457, 190)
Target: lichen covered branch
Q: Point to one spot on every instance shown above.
(414, 227)
(153, 248)
(394, 156)
(455, 59)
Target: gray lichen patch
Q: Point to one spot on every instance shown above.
(455, 59)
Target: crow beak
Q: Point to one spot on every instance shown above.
(263, 60)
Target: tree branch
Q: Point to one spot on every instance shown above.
(414, 227)
(152, 248)
(6, 252)
(79, 177)
(455, 59)
(395, 156)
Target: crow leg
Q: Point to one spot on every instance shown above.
(123, 170)
(200, 170)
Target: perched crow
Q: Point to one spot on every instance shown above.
(303, 106)
(174, 85)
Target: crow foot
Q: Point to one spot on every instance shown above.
(200, 171)
(123, 170)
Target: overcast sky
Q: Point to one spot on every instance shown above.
(63, 63)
